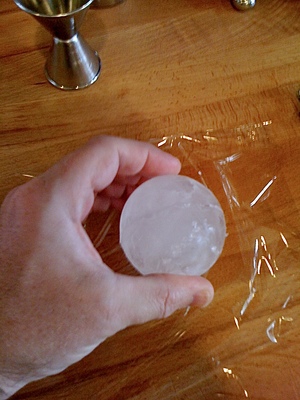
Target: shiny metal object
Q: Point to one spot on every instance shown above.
(71, 64)
(243, 5)
(106, 3)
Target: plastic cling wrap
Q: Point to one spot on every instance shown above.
(246, 343)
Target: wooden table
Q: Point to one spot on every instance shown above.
(189, 71)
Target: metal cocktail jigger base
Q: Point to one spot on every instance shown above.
(72, 64)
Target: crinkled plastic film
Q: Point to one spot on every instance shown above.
(246, 344)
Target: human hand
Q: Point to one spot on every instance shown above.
(58, 300)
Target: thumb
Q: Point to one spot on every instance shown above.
(144, 298)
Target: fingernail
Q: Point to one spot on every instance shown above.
(203, 298)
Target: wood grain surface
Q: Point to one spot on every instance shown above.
(218, 88)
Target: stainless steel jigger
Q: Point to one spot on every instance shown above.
(71, 64)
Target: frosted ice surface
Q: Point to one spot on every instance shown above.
(172, 224)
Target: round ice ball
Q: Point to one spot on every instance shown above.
(172, 224)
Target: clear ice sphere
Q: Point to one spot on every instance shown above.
(172, 224)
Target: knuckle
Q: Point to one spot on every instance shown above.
(167, 303)
(13, 201)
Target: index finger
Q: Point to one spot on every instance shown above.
(95, 166)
